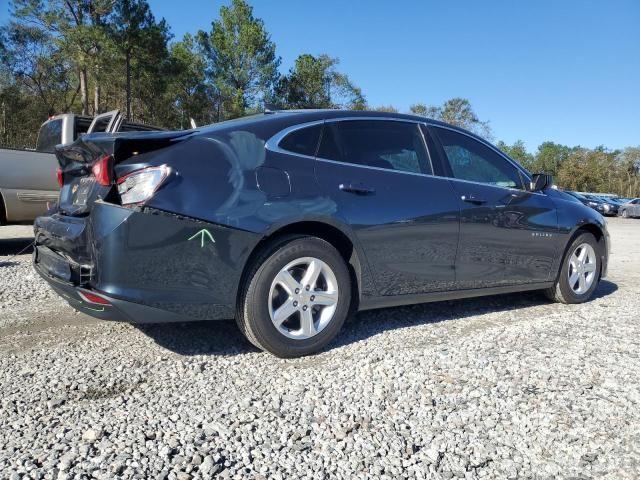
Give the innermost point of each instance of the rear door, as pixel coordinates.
(379, 175)
(508, 235)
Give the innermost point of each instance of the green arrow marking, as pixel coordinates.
(203, 233)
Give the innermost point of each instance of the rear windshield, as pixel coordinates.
(50, 135)
(102, 124)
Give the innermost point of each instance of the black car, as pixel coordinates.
(597, 203)
(289, 221)
(605, 205)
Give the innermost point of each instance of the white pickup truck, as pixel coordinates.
(28, 178)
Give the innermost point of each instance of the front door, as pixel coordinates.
(379, 175)
(508, 235)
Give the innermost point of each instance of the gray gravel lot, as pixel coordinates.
(500, 387)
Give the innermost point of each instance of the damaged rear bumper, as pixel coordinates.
(145, 266)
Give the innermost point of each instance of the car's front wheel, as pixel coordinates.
(580, 272)
(295, 298)
(625, 214)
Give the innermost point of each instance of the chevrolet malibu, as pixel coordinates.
(291, 220)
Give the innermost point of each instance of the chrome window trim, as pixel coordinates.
(326, 160)
(273, 143)
(484, 184)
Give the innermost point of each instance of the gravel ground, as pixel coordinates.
(500, 387)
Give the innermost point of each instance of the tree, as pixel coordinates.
(71, 27)
(241, 58)
(629, 165)
(518, 152)
(588, 170)
(456, 111)
(550, 157)
(34, 64)
(424, 111)
(314, 82)
(188, 91)
(386, 108)
(142, 42)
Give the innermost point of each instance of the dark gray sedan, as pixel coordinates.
(290, 221)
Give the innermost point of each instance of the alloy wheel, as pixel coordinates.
(582, 268)
(303, 298)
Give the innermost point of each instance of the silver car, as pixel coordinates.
(630, 209)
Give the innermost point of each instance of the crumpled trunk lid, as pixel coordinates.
(80, 189)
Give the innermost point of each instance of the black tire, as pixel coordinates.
(562, 292)
(3, 217)
(252, 312)
(625, 214)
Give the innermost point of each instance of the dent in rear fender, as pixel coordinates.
(158, 259)
(214, 177)
(231, 179)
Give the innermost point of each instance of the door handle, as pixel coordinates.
(472, 199)
(358, 189)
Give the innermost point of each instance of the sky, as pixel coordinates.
(566, 71)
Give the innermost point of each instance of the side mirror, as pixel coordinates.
(540, 181)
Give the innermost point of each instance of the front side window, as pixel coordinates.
(303, 141)
(473, 161)
(375, 143)
(50, 135)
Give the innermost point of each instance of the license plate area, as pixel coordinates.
(81, 190)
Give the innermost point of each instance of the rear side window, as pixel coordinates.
(472, 160)
(376, 143)
(303, 141)
(50, 135)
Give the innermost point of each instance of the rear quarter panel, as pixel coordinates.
(229, 178)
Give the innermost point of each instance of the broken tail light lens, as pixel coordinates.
(102, 171)
(139, 186)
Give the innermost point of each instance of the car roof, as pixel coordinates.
(293, 117)
(334, 113)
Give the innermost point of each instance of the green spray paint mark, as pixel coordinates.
(101, 309)
(203, 233)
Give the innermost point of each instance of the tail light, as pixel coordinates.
(93, 298)
(60, 177)
(139, 186)
(102, 170)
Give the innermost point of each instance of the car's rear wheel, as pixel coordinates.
(580, 271)
(3, 218)
(295, 297)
